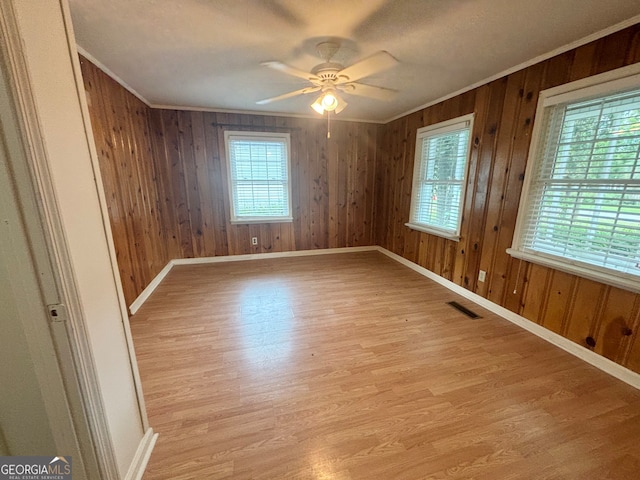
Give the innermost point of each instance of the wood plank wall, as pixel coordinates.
(164, 177)
(332, 183)
(504, 113)
(135, 196)
(163, 173)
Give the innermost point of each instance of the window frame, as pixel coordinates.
(423, 133)
(609, 83)
(229, 136)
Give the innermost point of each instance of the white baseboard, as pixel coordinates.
(141, 457)
(598, 361)
(146, 293)
(262, 256)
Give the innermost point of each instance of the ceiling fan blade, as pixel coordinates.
(371, 91)
(372, 64)
(302, 91)
(284, 68)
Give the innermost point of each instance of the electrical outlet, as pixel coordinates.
(482, 276)
(254, 240)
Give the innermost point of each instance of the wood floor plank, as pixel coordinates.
(351, 366)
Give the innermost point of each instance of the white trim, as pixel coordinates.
(451, 125)
(142, 455)
(113, 76)
(264, 256)
(257, 220)
(536, 138)
(264, 113)
(614, 369)
(146, 293)
(433, 231)
(540, 58)
(592, 272)
(617, 80)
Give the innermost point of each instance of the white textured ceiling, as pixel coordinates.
(206, 54)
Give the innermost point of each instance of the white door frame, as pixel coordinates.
(37, 288)
(80, 400)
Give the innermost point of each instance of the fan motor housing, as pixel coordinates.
(327, 70)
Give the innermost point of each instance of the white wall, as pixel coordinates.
(55, 88)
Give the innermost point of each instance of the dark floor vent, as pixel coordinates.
(464, 310)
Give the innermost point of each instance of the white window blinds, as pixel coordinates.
(259, 176)
(583, 199)
(439, 181)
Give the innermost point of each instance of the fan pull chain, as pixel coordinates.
(328, 124)
(517, 277)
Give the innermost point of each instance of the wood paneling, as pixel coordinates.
(164, 175)
(272, 369)
(333, 181)
(504, 114)
(136, 198)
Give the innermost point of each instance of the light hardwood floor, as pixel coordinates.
(351, 366)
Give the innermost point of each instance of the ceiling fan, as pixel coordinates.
(329, 78)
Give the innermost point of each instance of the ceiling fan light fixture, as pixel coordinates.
(329, 101)
(341, 105)
(317, 105)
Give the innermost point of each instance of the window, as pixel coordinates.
(580, 208)
(258, 170)
(440, 177)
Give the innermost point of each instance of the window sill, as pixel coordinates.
(626, 282)
(253, 220)
(434, 231)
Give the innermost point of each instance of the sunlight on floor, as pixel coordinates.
(266, 322)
